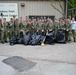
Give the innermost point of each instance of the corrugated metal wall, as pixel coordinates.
(38, 8)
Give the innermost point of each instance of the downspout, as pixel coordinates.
(65, 8)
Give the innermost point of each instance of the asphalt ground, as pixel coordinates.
(57, 59)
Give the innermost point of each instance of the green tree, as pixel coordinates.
(71, 4)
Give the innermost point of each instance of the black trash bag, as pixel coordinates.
(13, 40)
(20, 41)
(60, 36)
(42, 39)
(35, 39)
(50, 38)
(26, 39)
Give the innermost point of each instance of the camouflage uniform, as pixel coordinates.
(16, 28)
(50, 27)
(21, 29)
(5, 31)
(61, 25)
(24, 25)
(46, 27)
(74, 35)
(40, 27)
(30, 27)
(67, 28)
(1, 31)
(56, 27)
(34, 26)
(11, 29)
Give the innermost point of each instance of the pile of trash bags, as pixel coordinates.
(38, 39)
(27, 39)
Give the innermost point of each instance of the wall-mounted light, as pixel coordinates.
(22, 4)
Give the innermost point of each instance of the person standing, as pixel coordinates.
(10, 28)
(5, 30)
(50, 26)
(34, 22)
(29, 27)
(61, 24)
(73, 22)
(67, 28)
(1, 31)
(46, 26)
(56, 27)
(16, 28)
(25, 24)
(21, 27)
(40, 29)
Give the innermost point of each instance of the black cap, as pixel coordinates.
(1, 14)
(14, 16)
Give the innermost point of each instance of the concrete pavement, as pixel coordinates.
(5, 69)
(58, 59)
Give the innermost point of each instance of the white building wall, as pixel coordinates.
(38, 8)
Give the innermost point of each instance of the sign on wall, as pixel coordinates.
(8, 10)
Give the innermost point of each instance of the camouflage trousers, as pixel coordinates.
(3, 36)
(68, 35)
(74, 35)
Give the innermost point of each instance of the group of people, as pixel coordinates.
(39, 26)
